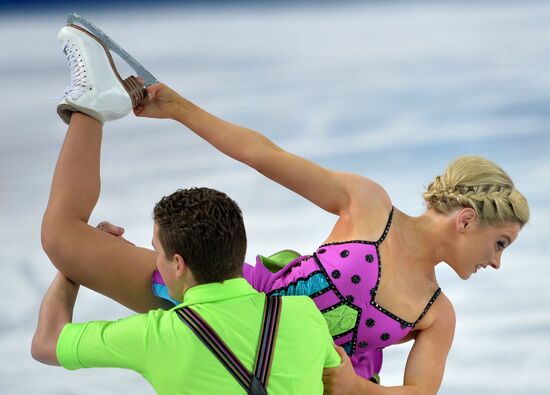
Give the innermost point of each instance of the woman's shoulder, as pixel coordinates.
(368, 200)
(367, 215)
(441, 315)
(366, 192)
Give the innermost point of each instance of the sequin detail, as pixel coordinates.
(312, 285)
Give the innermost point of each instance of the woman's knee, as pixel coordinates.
(55, 237)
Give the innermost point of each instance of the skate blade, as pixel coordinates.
(133, 87)
(77, 19)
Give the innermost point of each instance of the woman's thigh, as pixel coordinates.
(106, 264)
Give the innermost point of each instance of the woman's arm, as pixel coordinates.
(424, 369)
(426, 362)
(333, 191)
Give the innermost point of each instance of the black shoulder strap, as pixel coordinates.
(253, 384)
(430, 303)
(386, 229)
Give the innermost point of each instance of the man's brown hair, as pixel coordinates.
(206, 228)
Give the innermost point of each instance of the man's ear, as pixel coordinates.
(180, 266)
(465, 218)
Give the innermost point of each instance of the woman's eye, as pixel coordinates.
(501, 244)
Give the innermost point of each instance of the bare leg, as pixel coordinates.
(82, 253)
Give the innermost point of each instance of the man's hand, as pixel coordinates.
(160, 102)
(114, 230)
(341, 380)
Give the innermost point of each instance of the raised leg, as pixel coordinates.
(84, 254)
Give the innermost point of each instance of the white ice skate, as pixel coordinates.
(96, 88)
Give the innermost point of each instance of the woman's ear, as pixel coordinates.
(465, 218)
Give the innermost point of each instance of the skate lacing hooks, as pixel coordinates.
(78, 72)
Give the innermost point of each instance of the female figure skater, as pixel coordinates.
(373, 278)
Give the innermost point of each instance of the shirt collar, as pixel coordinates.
(213, 292)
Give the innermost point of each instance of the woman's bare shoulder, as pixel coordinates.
(441, 315)
(367, 210)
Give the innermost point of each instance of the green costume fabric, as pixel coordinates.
(174, 361)
(277, 261)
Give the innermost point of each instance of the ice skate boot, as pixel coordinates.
(96, 88)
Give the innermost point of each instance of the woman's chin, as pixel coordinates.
(464, 275)
(460, 272)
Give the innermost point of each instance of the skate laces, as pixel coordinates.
(78, 72)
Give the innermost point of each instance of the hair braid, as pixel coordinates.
(480, 184)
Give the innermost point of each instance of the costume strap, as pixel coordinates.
(386, 229)
(253, 384)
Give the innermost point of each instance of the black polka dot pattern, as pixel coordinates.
(369, 330)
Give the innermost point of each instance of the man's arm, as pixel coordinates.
(56, 311)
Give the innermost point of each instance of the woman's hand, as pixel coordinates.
(340, 380)
(160, 102)
(114, 230)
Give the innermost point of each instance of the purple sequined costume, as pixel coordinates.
(342, 278)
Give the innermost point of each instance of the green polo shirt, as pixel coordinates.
(169, 356)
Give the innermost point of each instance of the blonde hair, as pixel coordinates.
(478, 183)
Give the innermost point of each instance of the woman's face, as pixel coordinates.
(480, 246)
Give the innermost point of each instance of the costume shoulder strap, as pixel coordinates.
(430, 303)
(386, 229)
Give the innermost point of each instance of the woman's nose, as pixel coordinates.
(495, 262)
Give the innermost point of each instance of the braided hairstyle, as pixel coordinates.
(478, 183)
